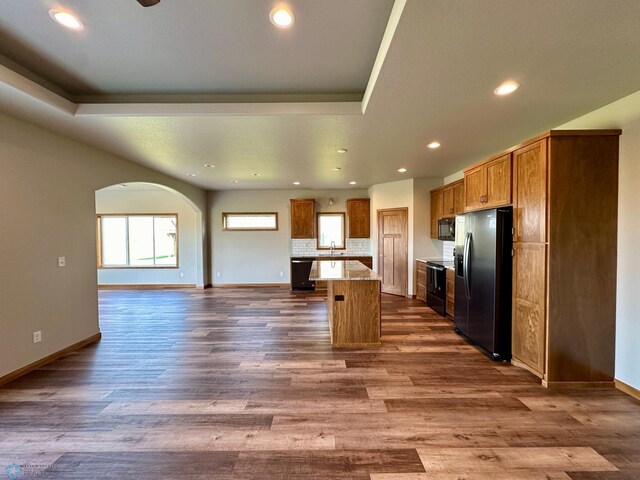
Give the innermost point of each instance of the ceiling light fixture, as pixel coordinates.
(208, 165)
(296, 183)
(342, 150)
(191, 174)
(256, 174)
(506, 88)
(402, 170)
(433, 145)
(352, 183)
(66, 19)
(122, 185)
(234, 181)
(282, 17)
(337, 169)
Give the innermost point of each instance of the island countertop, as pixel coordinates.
(326, 270)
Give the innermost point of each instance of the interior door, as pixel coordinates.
(392, 250)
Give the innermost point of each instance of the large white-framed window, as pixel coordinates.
(137, 240)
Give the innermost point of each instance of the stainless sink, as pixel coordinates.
(331, 254)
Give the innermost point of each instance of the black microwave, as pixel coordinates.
(447, 229)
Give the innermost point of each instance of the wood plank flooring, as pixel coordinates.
(243, 384)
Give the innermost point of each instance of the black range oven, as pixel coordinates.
(436, 287)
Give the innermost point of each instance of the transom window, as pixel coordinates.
(138, 241)
(250, 221)
(331, 231)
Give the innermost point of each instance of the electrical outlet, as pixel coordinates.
(62, 261)
(181, 274)
(218, 275)
(37, 336)
(282, 274)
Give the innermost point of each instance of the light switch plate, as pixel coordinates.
(62, 261)
(37, 336)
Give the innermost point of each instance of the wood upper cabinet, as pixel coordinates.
(303, 218)
(359, 214)
(436, 211)
(498, 182)
(488, 185)
(458, 197)
(529, 305)
(447, 202)
(530, 193)
(475, 186)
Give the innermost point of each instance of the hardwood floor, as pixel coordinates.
(243, 384)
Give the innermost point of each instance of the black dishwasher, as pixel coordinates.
(300, 270)
(436, 287)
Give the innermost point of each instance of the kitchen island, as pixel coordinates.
(353, 302)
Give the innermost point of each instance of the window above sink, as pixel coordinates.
(331, 231)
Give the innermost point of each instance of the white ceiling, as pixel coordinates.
(436, 82)
(197, 46)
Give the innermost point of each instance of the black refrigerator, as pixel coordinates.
(483, 266)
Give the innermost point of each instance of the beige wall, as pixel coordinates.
(47, 193)
(628, 304)
(412, 194)
(259, 257)
(136, 198)
(423, 245)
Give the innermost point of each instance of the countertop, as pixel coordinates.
(335, 255)
(341, 270)
(439, 261)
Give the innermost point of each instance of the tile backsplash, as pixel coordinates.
(307, 246)
(447, 250)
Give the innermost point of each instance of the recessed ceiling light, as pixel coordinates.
(122, 185)
(234, 181)
(208, 165)
(256, 174)
(66, 19)
(506, 88)
(342, 150)
(433, 145)
(296, 183)
(352, 183)
(191, 174)
(337, 169)
(282, 17)
(402, 170)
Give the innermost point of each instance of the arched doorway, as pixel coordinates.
(148, 235)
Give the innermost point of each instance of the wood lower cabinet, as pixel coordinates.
(564, 267)
(421, 281)
(359, 215)
(489, 184)
(450, 290)
(303, 218)
(529, 305)
(436, 211)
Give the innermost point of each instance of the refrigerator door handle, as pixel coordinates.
(465, 263)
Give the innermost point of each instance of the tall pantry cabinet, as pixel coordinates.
(565, 200)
